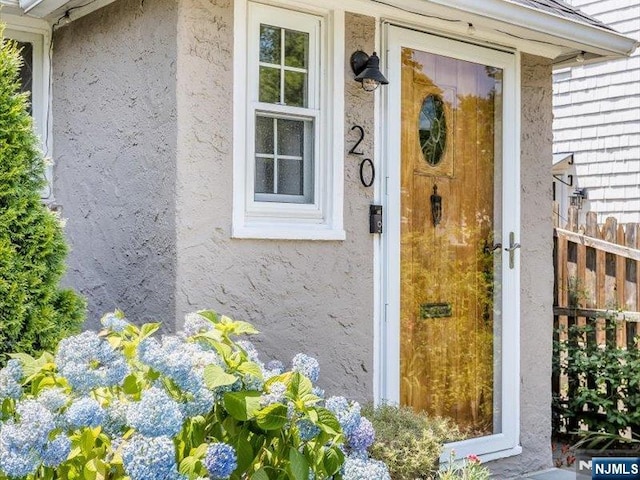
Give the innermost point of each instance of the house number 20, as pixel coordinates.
(367, 162)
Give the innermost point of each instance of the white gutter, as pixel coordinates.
(41, 8)
(595, 39)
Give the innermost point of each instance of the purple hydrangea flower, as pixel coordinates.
(348, 415)
(363, 436)
(220, 460)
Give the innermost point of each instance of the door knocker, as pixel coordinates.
(436, 207)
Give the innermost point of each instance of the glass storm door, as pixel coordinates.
(451, 258)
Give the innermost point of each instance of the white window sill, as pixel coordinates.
(288, 232)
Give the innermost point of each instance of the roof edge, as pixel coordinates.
(596, 39)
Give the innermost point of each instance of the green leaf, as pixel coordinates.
(130, 385)
(242, 405)
(188, 466)
(215, 376)
(244, 451)
(148, 329)
(272, 417)
(298, 468)
(209, 315)
(300, 386)
(250, 368)
(332, 460)
(327, 421)
(259, 475)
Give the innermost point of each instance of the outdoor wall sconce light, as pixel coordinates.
(367, 70)
(577, 198)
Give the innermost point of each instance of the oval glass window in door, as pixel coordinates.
(432, 129)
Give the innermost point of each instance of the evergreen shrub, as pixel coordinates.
(34, 313)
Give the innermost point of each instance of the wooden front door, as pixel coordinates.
(449, 245)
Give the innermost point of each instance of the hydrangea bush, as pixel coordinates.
(123, 404)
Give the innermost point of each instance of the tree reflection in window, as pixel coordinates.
(432, 129)
(26, 71)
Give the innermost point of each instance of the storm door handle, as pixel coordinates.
(513, 246)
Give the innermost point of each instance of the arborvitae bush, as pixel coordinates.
(34, 313)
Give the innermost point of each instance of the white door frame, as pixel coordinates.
(387, 379)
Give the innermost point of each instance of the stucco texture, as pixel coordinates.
(306, 296)
(115, 147)
(536, 260)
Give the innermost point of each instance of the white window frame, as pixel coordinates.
(322, 219)
(38, 33)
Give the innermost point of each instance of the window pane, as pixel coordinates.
(295, 89)
(26, 71)
(264, 175)
(290, 177)
(290, 137)
(269, 85)
(296, 45)
(270, 44)
(264, 135)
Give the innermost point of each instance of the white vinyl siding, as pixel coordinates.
(597, 117)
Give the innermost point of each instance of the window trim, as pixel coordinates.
(38, 33)
(322, 219)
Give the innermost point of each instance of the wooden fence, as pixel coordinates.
(597, 283)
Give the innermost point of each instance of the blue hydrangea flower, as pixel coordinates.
(18, 450)
(53, 399)
(35, 425)
(363, 436)
(85, 412)
(348, 415)
(88, 362)
(307, 430)
(114, 322)
(56, 451)
(220, 460)
(361, 469)
(199, 403)
(156, 414)
(273, 368)
(116, 419)
(307, 366)
(195, 323)
(275, 395)
(146, 458)
(171, 357)
(250, 349)
(10, 377)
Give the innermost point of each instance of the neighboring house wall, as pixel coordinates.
(597, 117)
(115, 149)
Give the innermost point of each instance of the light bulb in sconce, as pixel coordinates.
(580, 57)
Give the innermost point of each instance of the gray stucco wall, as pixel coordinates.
(536, 237)
(114, 130)
(303, 295)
